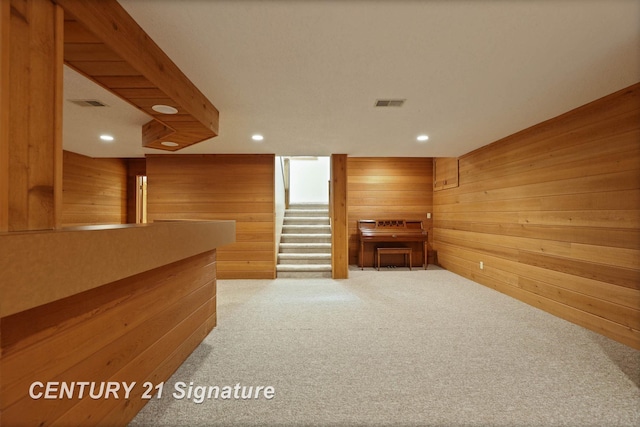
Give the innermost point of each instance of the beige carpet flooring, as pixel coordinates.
(398, 348)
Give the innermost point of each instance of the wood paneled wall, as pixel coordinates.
(553, 212)
(389, 188)
(94, 191)
(137, 329)
(220, 186)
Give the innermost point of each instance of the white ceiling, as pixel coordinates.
(306, 73)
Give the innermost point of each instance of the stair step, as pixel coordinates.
(304, 258)
(305, 212)
(304, 275)
(303, 267)
(306, 229)
(306, 220)
(305, 247)
(302, 255)
(303, 271)
(305, 238)
(309, 206)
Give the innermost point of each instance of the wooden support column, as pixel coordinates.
(5, 13)
(31, 118)
(339, 228)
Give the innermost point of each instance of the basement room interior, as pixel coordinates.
(311, 213)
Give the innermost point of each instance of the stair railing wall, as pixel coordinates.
(281, 202)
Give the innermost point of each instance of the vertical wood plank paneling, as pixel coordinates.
(35, 111)
(552, 212)
(94, 190)
(216, 187)
(5, 22)
(58, 78)
(19, 118)
(339, 217)
(134, 330)
(389, 188)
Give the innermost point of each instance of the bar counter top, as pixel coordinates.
(39, 267)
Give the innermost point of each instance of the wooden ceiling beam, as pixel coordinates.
(104, 43)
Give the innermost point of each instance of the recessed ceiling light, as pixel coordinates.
(169, 143)
(423, 138)
(257, 137)
(106, 137)
(164, 109)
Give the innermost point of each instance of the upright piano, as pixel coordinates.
(386, 231)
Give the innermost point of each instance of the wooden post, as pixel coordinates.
(31, 100)
(5, 13)
(339, 227)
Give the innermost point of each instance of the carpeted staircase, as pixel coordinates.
(305, 244)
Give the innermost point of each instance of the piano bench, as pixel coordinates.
(394, 251)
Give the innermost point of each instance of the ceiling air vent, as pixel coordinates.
(390, 102)
(88, 102)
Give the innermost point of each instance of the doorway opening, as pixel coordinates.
(309, 180)
(141, 199)
(304, 237)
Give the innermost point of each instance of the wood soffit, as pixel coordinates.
(104, 43)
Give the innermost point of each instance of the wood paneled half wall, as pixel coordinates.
(94, 191)
(553, 213)
(216, 187)
(388, 188)
(86, 307)
(139, 329)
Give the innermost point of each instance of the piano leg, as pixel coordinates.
(424, 251)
